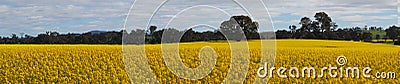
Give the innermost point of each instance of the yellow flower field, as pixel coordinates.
(105, 63)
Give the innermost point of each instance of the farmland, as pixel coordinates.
(105, 63)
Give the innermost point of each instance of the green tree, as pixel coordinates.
(152, 29)
(305, 23)
(240, 24)
(293, 28)
(325, 20)
(392, 32)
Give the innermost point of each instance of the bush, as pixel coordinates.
(397, 42)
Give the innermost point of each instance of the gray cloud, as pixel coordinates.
(32, 17)
(37, 16)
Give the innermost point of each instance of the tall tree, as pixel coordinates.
(325, 20)
(293, 28)
(305, 23)
(241, 23)
(152, 29)
(392, 32)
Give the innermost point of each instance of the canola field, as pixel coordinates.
(105, 63)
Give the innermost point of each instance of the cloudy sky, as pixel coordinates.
(38, 16)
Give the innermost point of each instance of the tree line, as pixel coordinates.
(236, 28)
(322, 27)
(50, 37)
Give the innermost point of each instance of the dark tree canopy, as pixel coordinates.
(393, 32)
(152, 29)
(243, 24)
(325, 20)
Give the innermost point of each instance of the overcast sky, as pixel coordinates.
(37, 16)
